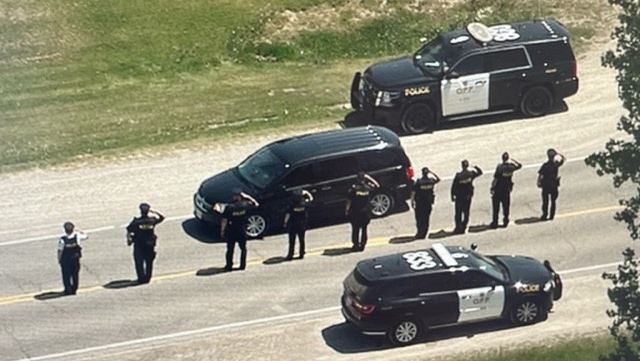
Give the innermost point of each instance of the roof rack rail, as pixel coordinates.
(444, 255)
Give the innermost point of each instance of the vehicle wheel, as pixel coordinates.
(405, 332)
(256, 226)
(381, 204)
(527, 312)
(418, 118)
(536, 101)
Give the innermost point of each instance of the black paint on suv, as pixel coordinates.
(325, 164)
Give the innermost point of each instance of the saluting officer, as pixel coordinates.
(232, 226)
(549, 181)
(358, 209)
(462, 193)
(141, 233)
(295, 220)
(69, 253)
(422, 199)
(501, 187)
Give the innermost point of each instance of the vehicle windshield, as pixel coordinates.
(489, 266)
(262, 168)
(430, 57)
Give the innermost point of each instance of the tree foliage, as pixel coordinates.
(621, 159)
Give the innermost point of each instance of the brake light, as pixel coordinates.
(574, 68)
(363, 308)
(409, 173)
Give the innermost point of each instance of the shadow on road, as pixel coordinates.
(120, 284)
(211, 271)
(337, 251)
(402, 239)
(528, 220)
(345, 338)
(49, 295)
(441, 234)
(479, 228)
(354, 119)
(200, 231)
(274, 260)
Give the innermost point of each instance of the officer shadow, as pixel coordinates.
(441, 234)
(337, 251)
(402, 239)
(211, 271)
(528, 220)
(117, 284)
(49, 295)
(278, 259)
(479, 228)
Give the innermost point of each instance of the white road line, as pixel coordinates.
(183, 217)
(257, 321)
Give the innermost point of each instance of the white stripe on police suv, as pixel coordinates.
(480, 303)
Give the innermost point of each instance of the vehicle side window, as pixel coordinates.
(474, 64)
(378, 159)
(440, 282)
(473, 279)
(336, 168)
(299, 176)
(507, 59)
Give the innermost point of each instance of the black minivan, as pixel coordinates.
(325, 164)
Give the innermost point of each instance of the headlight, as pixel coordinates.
(548, 286)
(385, 99)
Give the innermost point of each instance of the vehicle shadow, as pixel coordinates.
(200, 231)
(354, 119)
(344, 338)
(120, 284)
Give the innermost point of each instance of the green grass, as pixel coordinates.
(581, 349)
(91, 78)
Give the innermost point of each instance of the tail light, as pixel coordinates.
(363, 308)
(408, 172)
(574, 68)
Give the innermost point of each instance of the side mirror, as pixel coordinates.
(452, 75)
(493, 285)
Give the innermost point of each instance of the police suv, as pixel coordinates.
(480, 70)
(403, 295)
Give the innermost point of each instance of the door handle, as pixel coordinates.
(325, 188)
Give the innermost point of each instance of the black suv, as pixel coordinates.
(526, 66)
(325, 164)
(403, 295)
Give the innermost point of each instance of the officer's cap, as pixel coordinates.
(68, 226)
(425, 170)
(144, 207)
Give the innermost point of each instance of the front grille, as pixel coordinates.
(201, 204)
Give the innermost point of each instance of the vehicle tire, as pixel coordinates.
(381, 204)
(418, 118)
(527, 311)
(256, 226)
(536, 101)
(405, 332)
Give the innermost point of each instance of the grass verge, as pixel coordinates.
(93, 78)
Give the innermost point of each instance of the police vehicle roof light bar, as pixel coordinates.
(444, 255)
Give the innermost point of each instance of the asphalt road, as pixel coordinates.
(289, 310)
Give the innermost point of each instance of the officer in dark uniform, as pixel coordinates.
(422, 199)
(501, 187)
(295, 220)
(232, 226)
(358, 209)
(69, 253)
(549, 181)
(141, 233)
(461, 194)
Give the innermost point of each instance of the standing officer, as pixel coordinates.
(422, 199)
(295, 220)
(358, 209)
(69, 253)
(232, 226)
(461, 194)
(501, 187)
(549, 181)
(141, 233)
